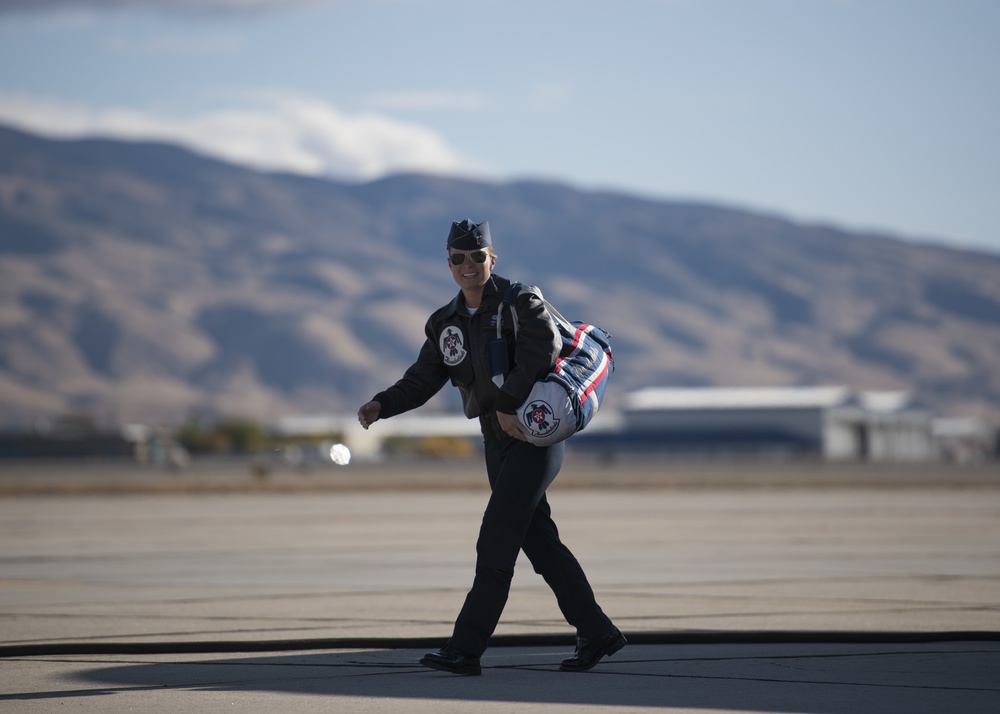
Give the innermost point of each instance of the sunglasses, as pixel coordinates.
(478, 256)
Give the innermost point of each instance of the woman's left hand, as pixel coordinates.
(511, 425)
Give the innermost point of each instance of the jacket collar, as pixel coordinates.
(491, 295)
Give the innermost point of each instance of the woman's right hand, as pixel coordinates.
(510, 424)
(368, 413)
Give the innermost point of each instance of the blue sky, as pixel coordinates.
(868, 114)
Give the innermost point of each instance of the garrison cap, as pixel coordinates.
(466, 235)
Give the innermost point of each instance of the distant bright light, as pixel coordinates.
(340, 454)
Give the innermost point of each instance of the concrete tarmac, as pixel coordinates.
(816, 595)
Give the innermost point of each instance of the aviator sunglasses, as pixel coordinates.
(478, 256)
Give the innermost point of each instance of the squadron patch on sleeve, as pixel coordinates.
(452, 344)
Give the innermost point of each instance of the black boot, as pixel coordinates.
(449, 659)
(590, 652)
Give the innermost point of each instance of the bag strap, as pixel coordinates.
(510, 299)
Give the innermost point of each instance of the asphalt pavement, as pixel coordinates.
(810, 593)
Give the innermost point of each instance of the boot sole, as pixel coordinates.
(466, 671)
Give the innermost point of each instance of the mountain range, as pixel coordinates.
(143, 282)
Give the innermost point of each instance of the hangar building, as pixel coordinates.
(833, 422)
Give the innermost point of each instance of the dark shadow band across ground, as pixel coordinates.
(534, 640)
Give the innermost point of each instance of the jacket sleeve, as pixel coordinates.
(420, 382)
(536, 349)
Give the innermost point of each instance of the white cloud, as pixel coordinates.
(271, 131)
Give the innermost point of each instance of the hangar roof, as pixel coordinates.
(665, 398)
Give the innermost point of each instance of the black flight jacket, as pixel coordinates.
(458, 348)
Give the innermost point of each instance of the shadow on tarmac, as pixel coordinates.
(810, 679)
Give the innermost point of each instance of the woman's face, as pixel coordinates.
(469, 274)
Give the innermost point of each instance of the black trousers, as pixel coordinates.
(518, 518)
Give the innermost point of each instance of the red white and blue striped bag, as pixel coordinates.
(565, 400)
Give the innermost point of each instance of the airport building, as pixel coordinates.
(835, 423)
